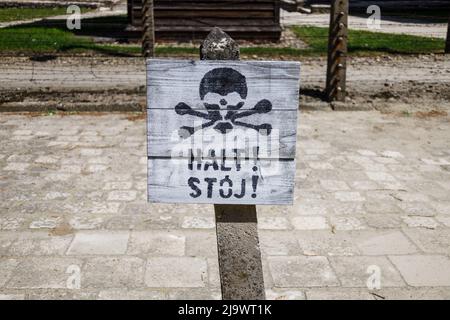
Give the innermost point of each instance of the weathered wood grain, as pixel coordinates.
(168, 182)
(164, 126)
(270, 100)
(172, 81)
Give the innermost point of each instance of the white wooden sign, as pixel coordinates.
(221, 132)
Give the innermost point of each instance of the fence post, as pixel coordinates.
(148, 29)
(447, 42)
(337, 50)
(240, 266)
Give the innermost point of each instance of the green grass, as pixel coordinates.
(44, 39)
(53, 40)
(13, 14)
(366, 42)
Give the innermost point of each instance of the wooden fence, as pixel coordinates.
(193, 19)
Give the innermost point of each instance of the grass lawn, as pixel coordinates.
(367, 43)
(13, 14)
(44, 39)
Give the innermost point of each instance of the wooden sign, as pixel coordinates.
(221, 132)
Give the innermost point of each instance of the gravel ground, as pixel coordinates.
(388, 25)
(396, 83)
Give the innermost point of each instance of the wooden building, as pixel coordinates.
(193, 19)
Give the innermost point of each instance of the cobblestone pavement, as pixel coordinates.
(372, 199)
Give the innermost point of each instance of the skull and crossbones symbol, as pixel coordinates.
(223, 92)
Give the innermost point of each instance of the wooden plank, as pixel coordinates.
(212, 14)
(170, 82)
(222, 101)
(171, 180)
(208, 22)
(217, 6)
(280, 143)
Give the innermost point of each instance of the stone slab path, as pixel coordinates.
(372, 209)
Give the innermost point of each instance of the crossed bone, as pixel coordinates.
(213, 115)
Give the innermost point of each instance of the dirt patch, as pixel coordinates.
(61, 230)
(431, 114)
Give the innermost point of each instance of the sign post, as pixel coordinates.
(240, 266)
(223, 131)
(447, 42)
(148, 29)
(337, 51)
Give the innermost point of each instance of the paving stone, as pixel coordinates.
(7, 267)
(430, 241)
(275, 243)
(417, 209)
(113, 272)
(364, 185)
(61, 294)
(198, 222)
(346, 223)
(180, 272)
(348, 196)
(99, 243)
(356, 271)
(39, 243)
(383, 243)
(379, 176)
(413, 293)
(420, 222)
(122, 195)
(121, 294)
(300, 271)
(442, 207)
(279, 294)
(11, 223)
(56, 177)
(383, 221)
(55, 195)
(367, 153)
(34, 273)
(213, 273)
(201, 243)
(12, 296)
(273, 223)
(194, 294)
(95, 168)
(321, 165)
(46, 159)
(412, 197)
(429, 270)
(334, 185)
(327, 243)
(392, 154)
(156, 243)
(311, 209)
(91, 152)
(445, 220)
(339, 294)
(118, 185)
(310, 223)
(87, 223)
(45, 223)
(16, 166)
(348, 208)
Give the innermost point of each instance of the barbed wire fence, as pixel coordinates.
(43, 64)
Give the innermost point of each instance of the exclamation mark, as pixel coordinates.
(254, 182)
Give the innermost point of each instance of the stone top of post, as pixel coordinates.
(219, 46)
